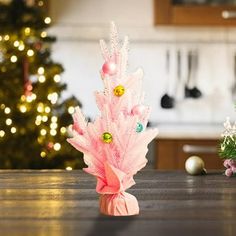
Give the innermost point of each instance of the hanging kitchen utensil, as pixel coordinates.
(178, 84)
(196, 93)
(167, 101)
(193, 92)
(234, 82)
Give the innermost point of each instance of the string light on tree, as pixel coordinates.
(40, 3)
(43, 154)
(71, 110)
(7, 110)
(31, 97)
(23, 98)
(21, 46)
(42, 78)
(40, 139)
(6, 37)
(57, 146)
(53, 125)
(41, 70)
(53, 132)
(52, 97)
(54, 119)
(30, 53)
(40, 107)
(27, 31)
(43, 132)
(44, 34)
(2, 133)
(39, 118)
(13, 58)
(57, 78)
(63, 130)
(47, 20)
(44, 118)
(16, 43)
(13, 130)
(23, 108)
(8, 121)
(38, 122)
(47, 109)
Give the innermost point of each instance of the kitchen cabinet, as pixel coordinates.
(195, 12)
(171, 154)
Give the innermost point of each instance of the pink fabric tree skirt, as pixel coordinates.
(120, 204)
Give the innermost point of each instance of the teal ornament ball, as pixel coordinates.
(139, 127)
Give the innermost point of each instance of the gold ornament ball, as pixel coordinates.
(119, 90)
(107, 137)
(194, 165)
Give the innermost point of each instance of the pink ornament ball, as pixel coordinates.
(109, 68)
(233, 168)
(228, 172)
(138, 110)
(226, 163)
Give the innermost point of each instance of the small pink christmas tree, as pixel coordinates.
(115, 144)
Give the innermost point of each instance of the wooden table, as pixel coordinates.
(65, 203)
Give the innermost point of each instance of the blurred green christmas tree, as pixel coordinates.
(33, 116)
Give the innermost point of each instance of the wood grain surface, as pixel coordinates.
(65, 203)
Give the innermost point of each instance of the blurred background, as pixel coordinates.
(187, 49)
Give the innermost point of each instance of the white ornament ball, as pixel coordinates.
(194, 165)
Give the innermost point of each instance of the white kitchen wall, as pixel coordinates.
(79, 24)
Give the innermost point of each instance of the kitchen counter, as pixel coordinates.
(58, 202)
(190, 131)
